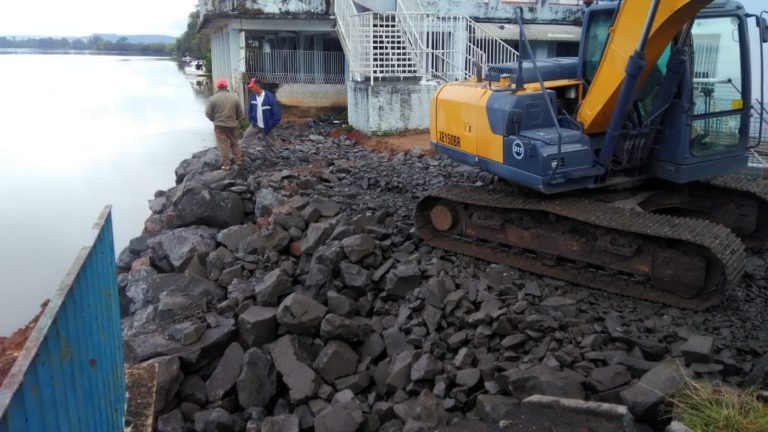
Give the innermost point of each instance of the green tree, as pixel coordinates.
(193, 44)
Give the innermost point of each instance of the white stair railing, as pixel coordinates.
(412, 43)
(449, 45)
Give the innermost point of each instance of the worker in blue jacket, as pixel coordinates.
(263, 114)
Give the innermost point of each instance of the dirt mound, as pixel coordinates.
(11, 346)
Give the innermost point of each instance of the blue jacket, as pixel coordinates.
(269, 108)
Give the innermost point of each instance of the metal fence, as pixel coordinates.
(295, 66)
(70, 376)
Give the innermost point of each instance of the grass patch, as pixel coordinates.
(706, 407)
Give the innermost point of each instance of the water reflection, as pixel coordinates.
(78, 132)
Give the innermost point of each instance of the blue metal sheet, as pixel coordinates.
(70, 375)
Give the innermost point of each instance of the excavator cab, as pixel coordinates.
(703, 125)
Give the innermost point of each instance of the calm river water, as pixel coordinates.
(78, 132)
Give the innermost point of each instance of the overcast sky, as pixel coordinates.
(85, 17)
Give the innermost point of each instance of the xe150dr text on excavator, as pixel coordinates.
(622, 164)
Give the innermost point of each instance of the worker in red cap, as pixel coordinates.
(263, 115)
(225, 111)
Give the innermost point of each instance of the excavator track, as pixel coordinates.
(687, 263)
(757, 188)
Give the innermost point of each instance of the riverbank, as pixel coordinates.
(293, 293)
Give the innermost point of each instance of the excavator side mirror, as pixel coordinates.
(763, 23)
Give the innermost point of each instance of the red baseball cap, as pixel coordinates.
(221, 83)
(253, 83)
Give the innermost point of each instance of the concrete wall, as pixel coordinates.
(312, 95)
(289, 6)
(388, 107)
(378, 5)
(540, 11)
(272, 6)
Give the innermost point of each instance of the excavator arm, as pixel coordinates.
(626, 35)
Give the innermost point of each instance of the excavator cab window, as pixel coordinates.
(717, 85)
(598, 26)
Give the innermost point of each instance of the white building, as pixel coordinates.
(379, 58)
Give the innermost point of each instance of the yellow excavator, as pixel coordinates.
(622, 168)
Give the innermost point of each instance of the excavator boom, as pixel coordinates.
(625, 36)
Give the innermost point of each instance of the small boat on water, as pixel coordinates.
(196, 67)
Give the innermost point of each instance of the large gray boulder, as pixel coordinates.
(541, 380)
(180, 245)
(301, 380)
(224, 377)
(200, 206)
(645, 397)
(257, 383)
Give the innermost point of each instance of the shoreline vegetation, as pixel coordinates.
(93, 44)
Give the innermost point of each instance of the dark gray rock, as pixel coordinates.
(355, 383)
(300, 314)
(187, 332)
(373, 347)
(426, 413)
(217, 261)
(234, 236)
(266, 199)
(272, 287)
(427, 367)
(301, 380)
(608, 378)
(274, 240)
(514, 340)
(758, 376)
(224, 377)
(469, 378)
(562, 305)
(342, 417)
(281, 423)
(316, 235)
(402, 280)
(180, 245)
(338, 327)
(354, 276)
(339, 304)
(257, 383)
(257, 326)
(327, 208)
(399, 372)
(229, 275)
(359, 246)
(208, 207)
(435, 291)
(646, 396)
(220, 421)
(336, 360)
(170, 422)
(193, 389)
(191, 288)
(169, 378)
(698, 349)
(496, 408)
(541, 380)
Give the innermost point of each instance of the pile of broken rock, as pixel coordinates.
(291, 296)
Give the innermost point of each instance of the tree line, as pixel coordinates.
(194, 44)
(93, 43)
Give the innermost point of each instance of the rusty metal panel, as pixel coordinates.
(70, 375)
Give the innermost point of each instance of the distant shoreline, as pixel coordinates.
(77, 52)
